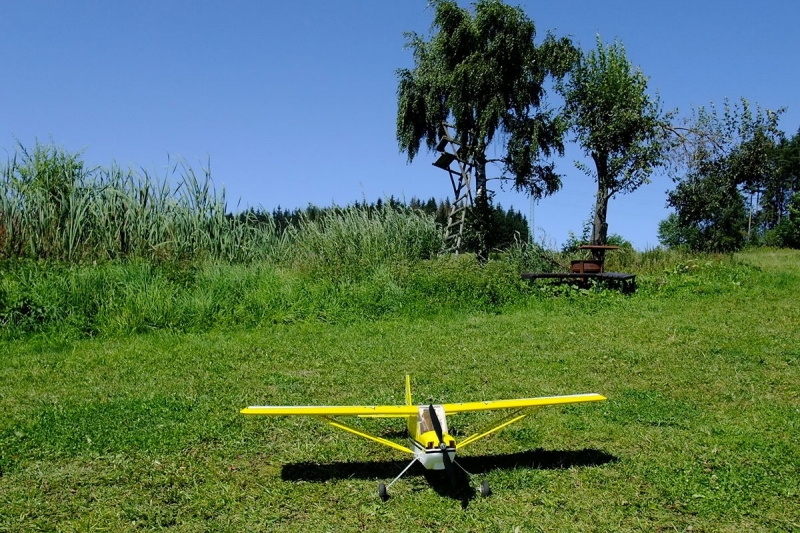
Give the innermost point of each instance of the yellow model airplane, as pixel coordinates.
(431, 444)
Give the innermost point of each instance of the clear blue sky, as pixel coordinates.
(295, 102)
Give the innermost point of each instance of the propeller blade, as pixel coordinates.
(437, 427)
(448, 466)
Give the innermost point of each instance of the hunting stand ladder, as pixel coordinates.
(451, 152)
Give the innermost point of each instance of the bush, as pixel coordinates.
(786, 233)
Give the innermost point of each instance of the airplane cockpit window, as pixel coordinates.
(424, 423)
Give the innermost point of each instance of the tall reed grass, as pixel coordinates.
(170, 256)
(350, 243)
(53, 207)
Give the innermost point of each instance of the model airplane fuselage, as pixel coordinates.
(426, 445)
(430, 443)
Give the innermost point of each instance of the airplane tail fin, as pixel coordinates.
(408, 390)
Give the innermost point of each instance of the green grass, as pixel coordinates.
(61, 300)
(142, 432)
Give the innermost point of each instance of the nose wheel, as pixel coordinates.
(384, 495)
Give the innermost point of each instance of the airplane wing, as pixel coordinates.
(327, 412)
(451, 408)
(375, 411)
(522, 407)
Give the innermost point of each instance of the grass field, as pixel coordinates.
(699, 433)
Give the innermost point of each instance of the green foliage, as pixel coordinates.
(573, 242)
(461, 282)
(483, 73)
(783, 184)
(672, 235)
(52, 207)
(351, 242)
(787, 231)
(699, 274)
(616, 123)
(532, 257)
(721, 158)
(505, 228)
(711, 214)
(140, 297)
(55, 300)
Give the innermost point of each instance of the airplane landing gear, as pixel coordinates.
(382, 492)
(483, 489)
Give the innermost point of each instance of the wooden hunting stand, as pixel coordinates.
(453, 159)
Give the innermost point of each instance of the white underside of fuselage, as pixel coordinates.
(431, 459)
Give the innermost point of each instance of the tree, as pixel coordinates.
(505, 228)
(719, 159)
(672, 235)
(616, 122)
(710, 211)
(484, 74)
(784, 184)
(787, 232)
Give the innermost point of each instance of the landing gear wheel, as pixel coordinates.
(485, 490)
(382, 492)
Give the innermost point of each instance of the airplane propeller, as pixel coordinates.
(437, 427)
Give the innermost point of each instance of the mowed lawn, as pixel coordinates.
(699, 433)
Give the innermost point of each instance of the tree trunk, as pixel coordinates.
(600, 226)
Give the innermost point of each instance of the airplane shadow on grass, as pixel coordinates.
(463, 490)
